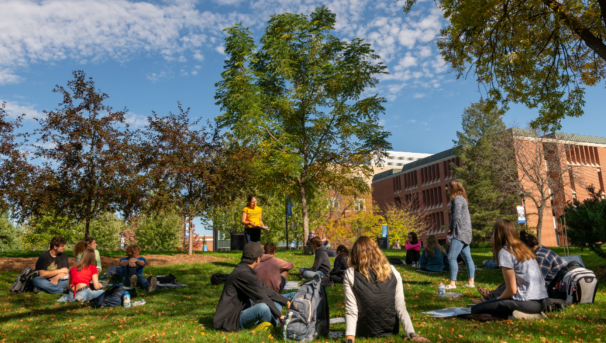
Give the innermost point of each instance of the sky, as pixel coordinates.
(148, 55)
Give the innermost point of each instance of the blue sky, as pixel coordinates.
(147, 55)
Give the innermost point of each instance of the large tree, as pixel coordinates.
(536, 52)
(488, 168)
(300, 97)
(87, 152)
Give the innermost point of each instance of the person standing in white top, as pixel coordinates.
(374, 295)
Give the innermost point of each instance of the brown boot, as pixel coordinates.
(478, 301)
(482, 291)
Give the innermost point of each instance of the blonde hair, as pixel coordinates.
(506, 235)
(432, 242)
(366, 255)
(455, 188)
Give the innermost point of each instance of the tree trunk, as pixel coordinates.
(86, 227)
(191, 237)
(305, 215)
(540, 223)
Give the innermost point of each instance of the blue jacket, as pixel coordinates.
(435, 263)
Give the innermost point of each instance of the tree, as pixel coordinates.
(11, 231)
(89, 161)
(535, 52)
(488, 169)
(543, 170)
(161, 231)
(299, 97)
(106, 229)
(587, 222)
(39, 230)
(191, 169)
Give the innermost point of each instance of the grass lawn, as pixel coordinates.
(186, 314)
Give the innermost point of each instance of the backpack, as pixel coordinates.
(574, 284)
(23, 282)
(395, 261)
(218, 278)
(112, 296)
(170, 278)
(308, 316)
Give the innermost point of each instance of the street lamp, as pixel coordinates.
(523, 196)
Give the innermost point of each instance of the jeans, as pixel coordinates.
(289, 296)
(457, 247)
(45, 285)
(496, 293)
(141, 280)
(258, 314)
(85, 295)
(504, 308)
(491, 265)
(309, 274)
(252, 235)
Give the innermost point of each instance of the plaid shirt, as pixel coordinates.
(549, 262)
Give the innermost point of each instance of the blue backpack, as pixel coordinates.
(112, 296)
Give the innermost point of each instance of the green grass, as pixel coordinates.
(186, 314)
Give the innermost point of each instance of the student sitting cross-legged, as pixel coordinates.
(336, 274)
(374, 295)
(524, 283)
(80, 276)
(321, 262)
(132, 270)
(433, 257)
(273, 271)
(53, 267)
(246, 303)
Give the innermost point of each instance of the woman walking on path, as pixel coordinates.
(251, 217)
(460, 228)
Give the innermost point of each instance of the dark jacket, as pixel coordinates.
(340, 265)
(377, 316)
(435, 263)
(242, 285)
(322, 261)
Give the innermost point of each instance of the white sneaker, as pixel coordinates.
(528, 316)
(450, 287)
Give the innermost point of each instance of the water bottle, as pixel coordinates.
(441, 289)
(126, 300)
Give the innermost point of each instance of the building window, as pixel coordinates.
(400, 164)
(359, 205)
(390, 164)
(334, 204)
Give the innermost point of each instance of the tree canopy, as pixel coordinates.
(536, 52)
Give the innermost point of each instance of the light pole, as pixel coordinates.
(523, 196)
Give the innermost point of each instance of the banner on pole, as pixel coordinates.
(384, 230)
(521, 215)
(289, 209)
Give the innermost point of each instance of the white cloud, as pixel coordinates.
(182, 59)
(198, 56)
(15, 109)
(135, 120)
(155, 77)
(412, 121)
(418, 96)
(7, 76)
(220, 49)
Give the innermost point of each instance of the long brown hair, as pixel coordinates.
(83, 245)
(506, 235)
(455, 188)
(366, 255)
(88, 259)
(432, 242)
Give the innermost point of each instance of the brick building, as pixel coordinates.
(423, 183)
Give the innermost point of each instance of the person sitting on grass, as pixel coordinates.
(88, 243)
(80, 276)
(246, 302)
(433, 257)
(273, 271)
(397, 245)
(524, 283)
(413, 246)
(549, 262)
(53, 268)
(321, 262)
(374, 295)
(132, 270)
(336, 274)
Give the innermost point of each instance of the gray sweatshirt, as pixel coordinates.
(460, 224)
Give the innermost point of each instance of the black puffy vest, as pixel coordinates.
(377, 316)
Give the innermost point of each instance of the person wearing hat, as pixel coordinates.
(246, 303)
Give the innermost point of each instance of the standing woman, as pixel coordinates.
(251, 217)
(374, 295)
(460, 228)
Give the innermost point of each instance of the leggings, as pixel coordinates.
(504, 308)
(412, 256)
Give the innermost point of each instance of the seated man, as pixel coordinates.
(549, 262)
(53, 268)
(273, 271)
(321, 262)
(132, 270)
(246, 302)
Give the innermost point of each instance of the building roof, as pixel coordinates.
(385, 174)
(415, 164)
(562, 136)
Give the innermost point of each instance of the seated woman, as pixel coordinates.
(374, 296)
(336, 274)
(88, 243)
(413, 246)
(80, 277)
(433, 257)
(524, 285)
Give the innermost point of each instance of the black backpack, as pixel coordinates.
(170, 278)
(395, 261)
(552, 289)
(23, 282)
(112, 296)
(218, 278)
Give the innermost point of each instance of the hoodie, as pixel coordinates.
(410, 246)
(268, 271)
(322, 261)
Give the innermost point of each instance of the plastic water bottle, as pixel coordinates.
(441, 289)
(126, 300)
